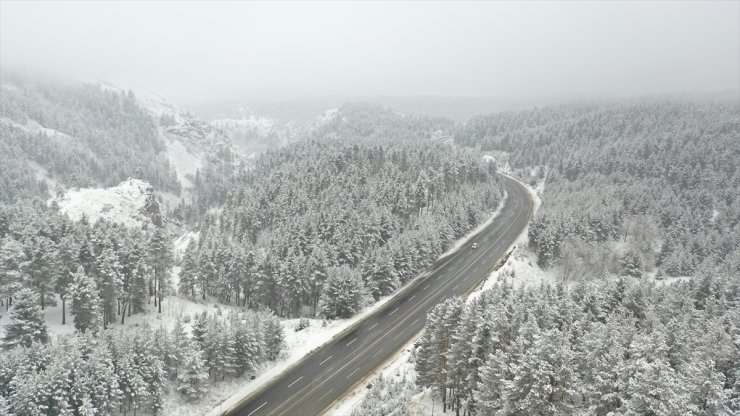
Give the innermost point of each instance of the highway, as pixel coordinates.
(317, 382)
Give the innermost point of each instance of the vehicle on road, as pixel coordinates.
(474, 246)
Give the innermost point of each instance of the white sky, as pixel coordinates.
(205, 51)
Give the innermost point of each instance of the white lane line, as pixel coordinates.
(325, 394)
(425, 287)
(396, 337)
(377, 352)
(297, 380)
(350, 374)
(455, 287)
(255, 410)
(415, 321)
(394, 311)
(350, 343)
(326, 360)
(374, 325)
(412, 297)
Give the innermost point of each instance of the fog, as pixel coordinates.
(194, 52)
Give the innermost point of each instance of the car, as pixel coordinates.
(474, 246)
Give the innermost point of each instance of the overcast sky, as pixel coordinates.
(194, 52)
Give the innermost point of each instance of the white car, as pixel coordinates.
(474, 246)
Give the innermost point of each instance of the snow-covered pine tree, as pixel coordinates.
(65, 279)
(106, 272)
(189, 271)
(161, 260)
(11, 275)
(27, 323)
(274, 337)
(344, 293)
(86, 302)
(42, 267)
(192, 380)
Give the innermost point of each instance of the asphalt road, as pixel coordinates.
(315, 383)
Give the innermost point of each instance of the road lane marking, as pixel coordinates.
(301, 394)
(297, 380)
(255, 410)
(425, 287)
(350, 343)
(415, 321)
(394, 311)
(412, 297)
(374, 325)
(324, 395)
(326, 360)
(350, 374)
(455, 287)
(396, 337)
(377, 352)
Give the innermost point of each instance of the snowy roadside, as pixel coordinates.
(228, 397)
(521, 266)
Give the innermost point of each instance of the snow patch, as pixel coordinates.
(181, 242)
(183, 161)
(120, 204)
(33, 127)
(259, 125)
(328, 116)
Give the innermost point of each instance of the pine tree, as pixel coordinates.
(343, 294)
(161, 260)
(181, 344)
(274, 338)
(27, 323)
(11, 273)
(189, 271)
(65, 279)
(106, 272)
(191, 381)
(42, 267)
(86, 302)
(200, 326)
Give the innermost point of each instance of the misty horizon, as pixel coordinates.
(203, 53)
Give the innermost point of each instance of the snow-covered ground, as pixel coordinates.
(120, 204)
(185, 162)
(181, 242)
(32, 126)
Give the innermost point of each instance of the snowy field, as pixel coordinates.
(120, 204)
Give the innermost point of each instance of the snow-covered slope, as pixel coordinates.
(122, 204)
(189, 140)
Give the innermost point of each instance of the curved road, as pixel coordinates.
(315, 383)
